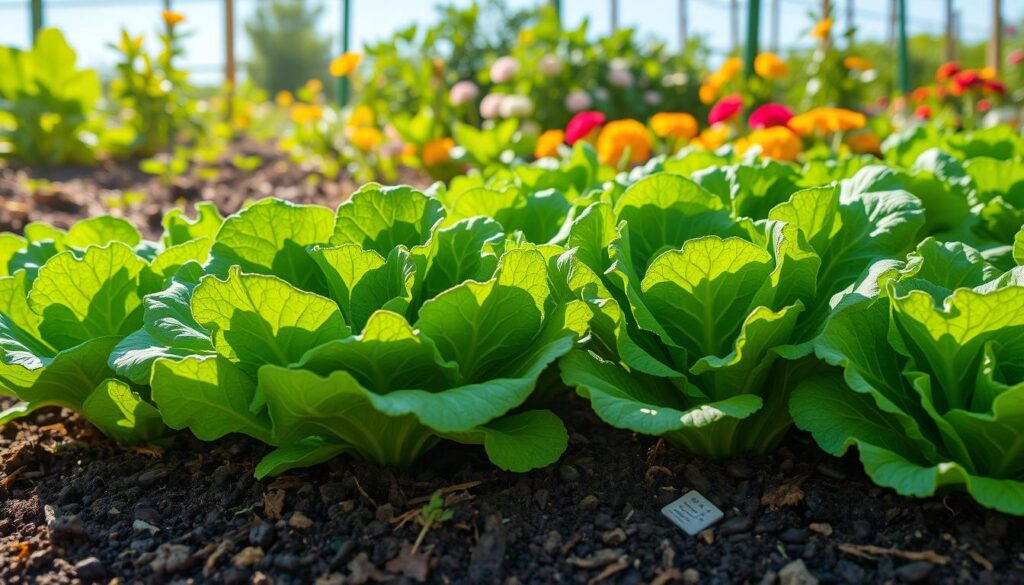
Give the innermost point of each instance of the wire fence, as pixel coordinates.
(91, 24)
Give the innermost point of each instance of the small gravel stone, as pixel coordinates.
(796, 573)
(262, 535)
(795, 535)
(300, 521)
(914, 572)
(737, 525)
(286, 562)
(568, 473)
(850, 572)
(171, 558)
(247, 557)
(90, 569)
(541, 497)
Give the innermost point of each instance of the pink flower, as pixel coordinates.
(652, 98)
(995, 86)
(550, 66)
(463, 92)
(581, 125)
(768, 115)
(923, 112)
(578, 100)
(1016, 58)
(490, 106)
(727, 108)
(504, 69)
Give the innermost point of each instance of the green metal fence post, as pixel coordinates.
(558, 9)
(346, 26)
(36, 8)
(904, 58)
(753, 36)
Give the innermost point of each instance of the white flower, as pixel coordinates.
(620, 77)
(490, 106)
(504, 69)
(577, 101)
(550, 65)
(515, 106)
(652, 98)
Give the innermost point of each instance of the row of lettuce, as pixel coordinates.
(707, 299)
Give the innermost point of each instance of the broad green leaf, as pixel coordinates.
(66, 379)
(456, 254)
(520, 442)
(100, 231)
(271, 237)
(1018, 247)
(178, 229)
(10, 245)
(96, 295)
(361, 281)
(169, 260)
(121, 413)
(305, 453)
(379, 218)
(210, 396)
(258, 319)
(134, 355)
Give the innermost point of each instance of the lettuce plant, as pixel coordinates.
(68, 299)
(375, 330)
(931, 389)
(698, 308)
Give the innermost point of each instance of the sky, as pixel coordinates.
(91, 24)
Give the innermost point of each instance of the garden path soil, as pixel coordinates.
(76, 508)
(78, 192)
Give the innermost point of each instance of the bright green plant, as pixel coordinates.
(46, 103)
(932, 385)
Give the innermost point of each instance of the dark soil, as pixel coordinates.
(64, 194)
(75, 507)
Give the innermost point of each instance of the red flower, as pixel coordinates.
(581, 125)
(924, 112)
(769, 115)
(947, 70)
(727, 108)
(1016, 58)
(967, 80)
(995, 86)
(984, 105)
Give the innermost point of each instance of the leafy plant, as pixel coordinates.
(46, 103)
(940, 407)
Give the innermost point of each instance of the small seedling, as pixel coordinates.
(433, 513)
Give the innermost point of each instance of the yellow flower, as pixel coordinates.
(366, 137)
(437, 151)
(345, 63)
(284, 99)
(314, 86)
(712, 138)
(618, 136)
(361, 116)
(548, 143)
(866, 142)
(776, 142)
(770, 66)
(172, 18)
(708, 93)
(408, 154)
(674, 125)
(987, 73)
(526, 36)
(858, 63)
(821, 121)
(730, 69)
(823, 29)
(304, 113)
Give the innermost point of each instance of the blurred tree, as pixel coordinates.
(287, 50)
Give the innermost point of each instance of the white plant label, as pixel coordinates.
(692, 512)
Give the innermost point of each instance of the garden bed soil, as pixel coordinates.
(76, 508)
(61, 195)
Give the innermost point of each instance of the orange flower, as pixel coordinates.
(345, 63)
(920, 94)
(730, 69)
(548, 143)
(712, 138)
(987, 73)
(437, 151)
(361, 116)
(284, 99)
(305, 113)
(770, 66)
(776, 142)
(708, 93)
(621, 135)
(314, 85)
(866, 142)
(171, 19)
(674, 125)
(858, 63)
(409, 154)
(821, 121)
(823, 29)
(366, 138)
